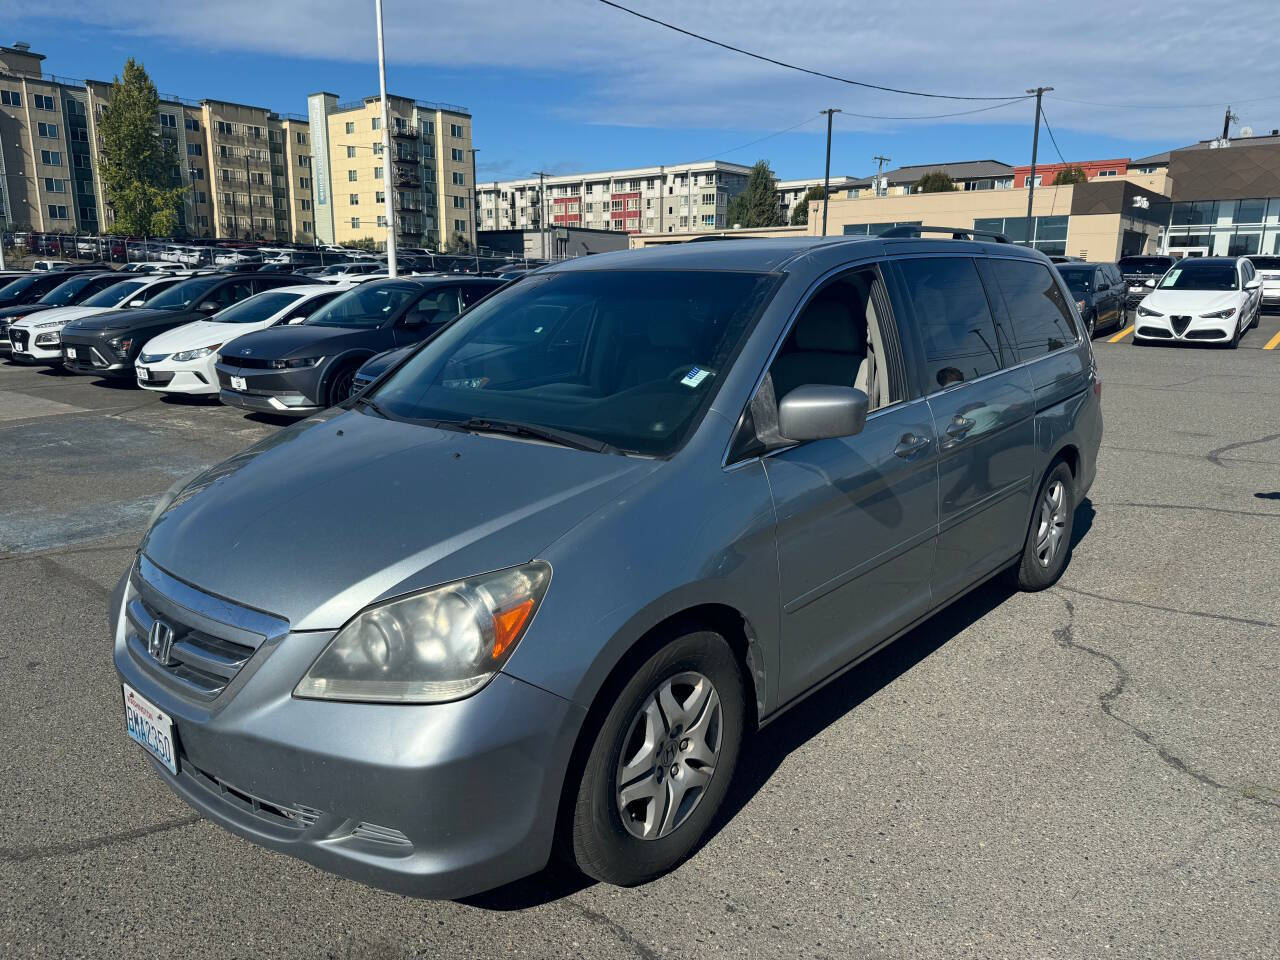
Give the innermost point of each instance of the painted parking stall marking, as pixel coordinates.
(1121, 335)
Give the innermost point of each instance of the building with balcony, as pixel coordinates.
(431, 172)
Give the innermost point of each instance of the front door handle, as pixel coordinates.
(910, 445)
(959, 427)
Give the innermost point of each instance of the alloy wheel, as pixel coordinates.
(1053, 523)
(669, 755)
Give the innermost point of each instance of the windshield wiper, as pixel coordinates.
(373, 405)
(564, 438)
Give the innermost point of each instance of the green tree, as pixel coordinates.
(935, 181)
(757, 206)
(138, 164)
(1070, 175)
(800, 215)
(458, 243)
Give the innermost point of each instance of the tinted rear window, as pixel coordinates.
(954, 317)
(1266, 263)
(1144, 264)
(1042, 320)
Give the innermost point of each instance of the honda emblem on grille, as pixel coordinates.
(246, 351)
(160, 643)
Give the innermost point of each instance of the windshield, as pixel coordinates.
(21, 286)
(116, 293)
(256, 309)
(370, 305)
(1079, 281)
(181, 295)
(67, 292)
(629, 358)
(1144, 264)
(1208, 277)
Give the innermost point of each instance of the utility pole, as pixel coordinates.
(542, 215)
(475, 206)
(880, 162)
(248, 189)
(1031, 180)
(387, 196)
(826, 177)
(1226, 123)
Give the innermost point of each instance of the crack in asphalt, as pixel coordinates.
(1215, 456)
(1176, 455)
(1186, 506)
(25, 854)
(1225, 617)
(1064, 636)
(67, 551)
(625, 937)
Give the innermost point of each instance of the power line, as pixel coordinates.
(938, 116)
(790, 66)
(1052, 138)
(752, 143)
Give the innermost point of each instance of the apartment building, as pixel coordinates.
(432, 169)
(965, 174)
(662, 199)
(791, 192)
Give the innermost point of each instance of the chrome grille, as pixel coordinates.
(211, 641)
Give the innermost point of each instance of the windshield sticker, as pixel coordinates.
(695, 376)
(1172, 278)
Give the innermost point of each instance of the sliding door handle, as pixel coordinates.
(910, 445)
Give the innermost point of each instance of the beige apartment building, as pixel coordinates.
(432, 171)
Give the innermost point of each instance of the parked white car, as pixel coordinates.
(1268, 268)
(50, 264)
(38, 338)
(182, 360)
(1201, 300)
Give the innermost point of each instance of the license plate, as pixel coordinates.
(150, 727)
(237, 383)
(143, 373)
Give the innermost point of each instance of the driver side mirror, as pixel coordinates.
(1253, 284)
(210, 306)
(1150, 283)
(822, 412)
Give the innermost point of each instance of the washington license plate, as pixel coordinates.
(237, 383)
(143, 373)
(150, 727)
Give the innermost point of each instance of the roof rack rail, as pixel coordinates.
(957, 233)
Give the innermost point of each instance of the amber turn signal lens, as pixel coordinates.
(508, 624)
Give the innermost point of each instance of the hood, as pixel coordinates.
(192, 336)
(121, 319)
(1193, 302)
(60, 314)
(21, 310)
(301, 340)
(325, 517)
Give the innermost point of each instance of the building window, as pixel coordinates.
(304, 183)
(1107, 173)
(52, 158)
(201, 197)
(57, 212)
(223, 127)
(355, 223)
(350, 126)
(458, 179)
(351, 175)
(377, 173)
(11, 98)
(301, 137)
(306, 204)
(377, 149)
(54, 185)
(168, 120)
(456, 154)
(306, 226)
(457, 131)
(196, 173)
(351, 151)
(379, 196)
(193, 150)
(46, 103)
(191, 123)
(382, 222)
(460, 226)
(429, 127)
(49, 130)
(354, 199)
(377, 123)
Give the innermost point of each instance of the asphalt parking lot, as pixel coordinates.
(1093, 770)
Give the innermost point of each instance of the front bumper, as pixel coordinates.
(192, 377)
(1175, 329)
(93, 357)
(442, 800)
(23, 343)
(294, 392)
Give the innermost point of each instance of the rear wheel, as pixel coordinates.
(661, 762)
(1044, 556)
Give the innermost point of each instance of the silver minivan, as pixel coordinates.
(534, 588)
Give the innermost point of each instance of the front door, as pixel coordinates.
(856, 516)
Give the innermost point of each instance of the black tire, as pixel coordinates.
(600, 844)
(1032, 572)
(1091, 326)
(1234, 342)
(1257, 317)
(340, 383)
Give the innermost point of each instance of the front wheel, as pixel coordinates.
(340, 386)
(1048, 544)
(661, 762)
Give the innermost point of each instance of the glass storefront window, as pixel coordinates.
(1251, 211)
(1244, 244)
(1051, 228)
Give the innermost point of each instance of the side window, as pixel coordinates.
(307, 308)
(231, 293)
(1101, 280)
(1039, 314)
(956, 326)
(838, 340)
(473, 292)
(437, 307)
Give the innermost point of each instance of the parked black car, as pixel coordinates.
(30, 293)
(310, 366)
(106, 345)
(1137, 271)
(376, 366)
(1100, 295)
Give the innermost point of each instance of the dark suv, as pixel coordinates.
(1100, 294)
(310, 366)
(1136, 271)
(106, 345)
(20, 296)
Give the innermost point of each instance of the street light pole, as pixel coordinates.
(386, 146)
(1035, 146)
(475, 206)
(542, 215)
(826, 178)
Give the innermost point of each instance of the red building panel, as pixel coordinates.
(1092, 169)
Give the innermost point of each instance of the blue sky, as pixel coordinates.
(574, 85)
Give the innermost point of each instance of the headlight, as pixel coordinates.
(195, 354)
(121, 344)
(442, 644)
(1219, 315)
(48, 339)
(1148, 312)
(295, 364)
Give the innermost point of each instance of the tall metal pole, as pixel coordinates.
(248, 189)
(475, 206)
(880, 162)
(826, 177)
(1226, 123)
(386, 147)
(1035, 146)
(542, 216)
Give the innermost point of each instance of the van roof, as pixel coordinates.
(774, 254)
